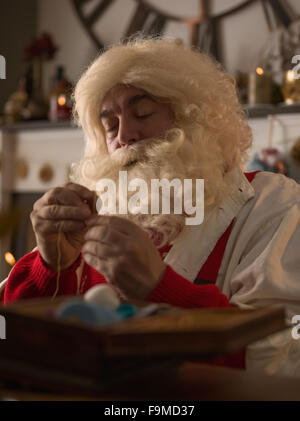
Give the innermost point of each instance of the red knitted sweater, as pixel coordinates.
(31, 278)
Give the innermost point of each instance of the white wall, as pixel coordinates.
(243, 34)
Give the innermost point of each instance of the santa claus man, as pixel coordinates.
(157, 109)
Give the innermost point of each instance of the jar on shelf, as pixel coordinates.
(60, 97)
(291, 88)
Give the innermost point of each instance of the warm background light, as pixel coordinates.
(9, 258)
(260, 71)
(61, 100)
(290, 76)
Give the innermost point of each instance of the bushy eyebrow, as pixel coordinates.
(132, 101)
(137, 98)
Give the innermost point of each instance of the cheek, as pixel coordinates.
(164, 122)
(169, 122)
(111, 146)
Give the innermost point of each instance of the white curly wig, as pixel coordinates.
(202, 96)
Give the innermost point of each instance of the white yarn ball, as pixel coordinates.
(103, 295)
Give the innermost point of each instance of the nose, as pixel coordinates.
(128, 132)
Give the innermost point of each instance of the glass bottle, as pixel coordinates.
(60, 97)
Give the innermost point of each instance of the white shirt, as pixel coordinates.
(261, 264)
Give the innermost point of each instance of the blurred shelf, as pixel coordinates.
(252, 111)
(257, 111)
(39, 124)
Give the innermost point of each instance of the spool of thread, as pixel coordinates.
(102, 294)
(90, 314)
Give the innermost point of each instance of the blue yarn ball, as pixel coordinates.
(127, 310)
(88, 313)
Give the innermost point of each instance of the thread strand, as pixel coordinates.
(58, 260)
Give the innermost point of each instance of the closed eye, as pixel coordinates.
(144, 116)
(112, 129)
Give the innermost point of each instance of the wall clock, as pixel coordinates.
(150, 19)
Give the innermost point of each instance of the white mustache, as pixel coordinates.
(146, 155)
(147, 150)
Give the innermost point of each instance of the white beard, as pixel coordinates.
(172, 157)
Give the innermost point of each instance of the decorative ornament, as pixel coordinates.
(22, 168)
(295, 156)
(291, 88)
(41, 47)
(295, 151)
(14, 106)
(46, 173)
(270, 158)
(60, 97)
(259, 87)
(283, 43)
(41, 50)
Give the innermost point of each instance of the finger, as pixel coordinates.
(45, 226)
(122, 224)
(111, 272)
(87, 196)
(64, 212)
(107, 235)
(92, 204)
(64, 196)
(58, 196)
(100, 265)
(83, 192)
(100, 250)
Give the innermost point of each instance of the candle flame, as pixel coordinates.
(260, 71)
(290, 76)
(61, 100)
(9, 258)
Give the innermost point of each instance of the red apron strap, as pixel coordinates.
(250, 175)
(209, 271)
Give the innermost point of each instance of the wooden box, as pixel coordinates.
(55, 355)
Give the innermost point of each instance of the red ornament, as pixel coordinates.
(43, 47)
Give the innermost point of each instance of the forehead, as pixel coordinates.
(122, 95)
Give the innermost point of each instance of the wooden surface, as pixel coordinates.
(69, 357)
(192, 381)
(171, 332)
(189, 382)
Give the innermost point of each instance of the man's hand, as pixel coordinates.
(67, 208)
(124, 254)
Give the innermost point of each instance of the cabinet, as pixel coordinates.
(33, 158)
